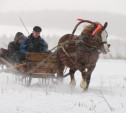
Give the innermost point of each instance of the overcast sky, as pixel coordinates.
(114, 6)
(61, 14)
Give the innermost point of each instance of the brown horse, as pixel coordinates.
(82, 52)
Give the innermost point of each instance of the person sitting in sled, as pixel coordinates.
(14, 48)
(34, 42)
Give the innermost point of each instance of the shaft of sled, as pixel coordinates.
(16, 66)
(6, 62)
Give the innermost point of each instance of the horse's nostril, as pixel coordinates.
(109, 45)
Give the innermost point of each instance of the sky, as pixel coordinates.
(114, 6)
(60, 14)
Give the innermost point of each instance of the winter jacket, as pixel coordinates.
(32, 44)
(14, 51)
(13, 47)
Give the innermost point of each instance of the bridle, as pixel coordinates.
(90, 47)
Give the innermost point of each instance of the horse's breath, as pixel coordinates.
(82, 52)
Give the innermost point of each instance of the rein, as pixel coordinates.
(76, 42)
(91, 48)
(67, 54)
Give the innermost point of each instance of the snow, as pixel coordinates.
(106, 93)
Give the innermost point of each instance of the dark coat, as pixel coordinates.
(13, 47)
(34, 44)
(14, 51)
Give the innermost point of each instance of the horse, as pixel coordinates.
(81, 52)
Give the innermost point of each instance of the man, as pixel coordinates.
(14, 48)
(34, 42)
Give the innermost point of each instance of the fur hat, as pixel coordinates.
(37, 29)
(18, 36)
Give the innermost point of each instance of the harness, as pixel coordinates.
(81, 41)
(88, 47)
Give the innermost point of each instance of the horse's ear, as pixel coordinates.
(105, 25)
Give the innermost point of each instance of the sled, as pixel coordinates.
(30, 68)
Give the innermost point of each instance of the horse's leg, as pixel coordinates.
(60, 73)
(83, 83)
(86, 75)
(72, 82)
(60, 66)
(60, 70)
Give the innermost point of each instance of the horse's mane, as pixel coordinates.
(89, 29)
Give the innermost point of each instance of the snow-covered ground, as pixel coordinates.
(106, 93)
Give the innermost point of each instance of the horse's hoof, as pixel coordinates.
(83, 84)
(73, 83)
(85, 89)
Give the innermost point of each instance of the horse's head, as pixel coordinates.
(95, 36)
(98, 37)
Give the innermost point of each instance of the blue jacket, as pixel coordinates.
(27, 42)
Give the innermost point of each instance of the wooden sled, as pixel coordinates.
(28, 68)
